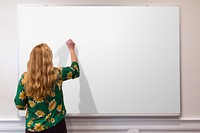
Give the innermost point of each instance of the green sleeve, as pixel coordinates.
(20, 97)
(70, 72)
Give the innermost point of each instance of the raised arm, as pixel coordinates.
(73, 71)
(71, 46)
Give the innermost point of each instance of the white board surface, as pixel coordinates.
(128, 55)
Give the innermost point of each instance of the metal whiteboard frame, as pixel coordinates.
(22, 113)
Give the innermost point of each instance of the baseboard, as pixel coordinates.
(112, 125)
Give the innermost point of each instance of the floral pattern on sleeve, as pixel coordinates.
(70, 72)
(21, 99)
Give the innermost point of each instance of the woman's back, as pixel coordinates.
(45, 112)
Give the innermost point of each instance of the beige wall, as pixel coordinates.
(190, 44)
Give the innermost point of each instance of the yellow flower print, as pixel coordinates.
(47, 117)
(52, 105)
(53, 94)
(69, 75)
(63, 112)
(22, 95)
(52, 120)
(21, 107)
(39, 100)
(76, 67)
(72, 68)
(39, 127)
(31, 103)
(27, 114)
(24, 79)
(30, 123)
(59, 108)
(39, 113)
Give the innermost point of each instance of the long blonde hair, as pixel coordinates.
(40, 72)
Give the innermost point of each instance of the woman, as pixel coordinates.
(40, 90)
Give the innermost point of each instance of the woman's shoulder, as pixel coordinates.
(23, 78)
(57, 72)
(24, 73)
(58, 69)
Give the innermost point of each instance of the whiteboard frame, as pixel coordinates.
(21, 114)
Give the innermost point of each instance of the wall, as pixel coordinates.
(190, 62)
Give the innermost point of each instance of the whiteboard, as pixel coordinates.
(128, 55)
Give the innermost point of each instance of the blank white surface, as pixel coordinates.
(129, 56)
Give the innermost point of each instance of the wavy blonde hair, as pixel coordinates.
(40, 72)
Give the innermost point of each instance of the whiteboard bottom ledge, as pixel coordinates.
(123, 115)
(22, 114)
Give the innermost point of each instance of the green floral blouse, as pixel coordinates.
(42, 114)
